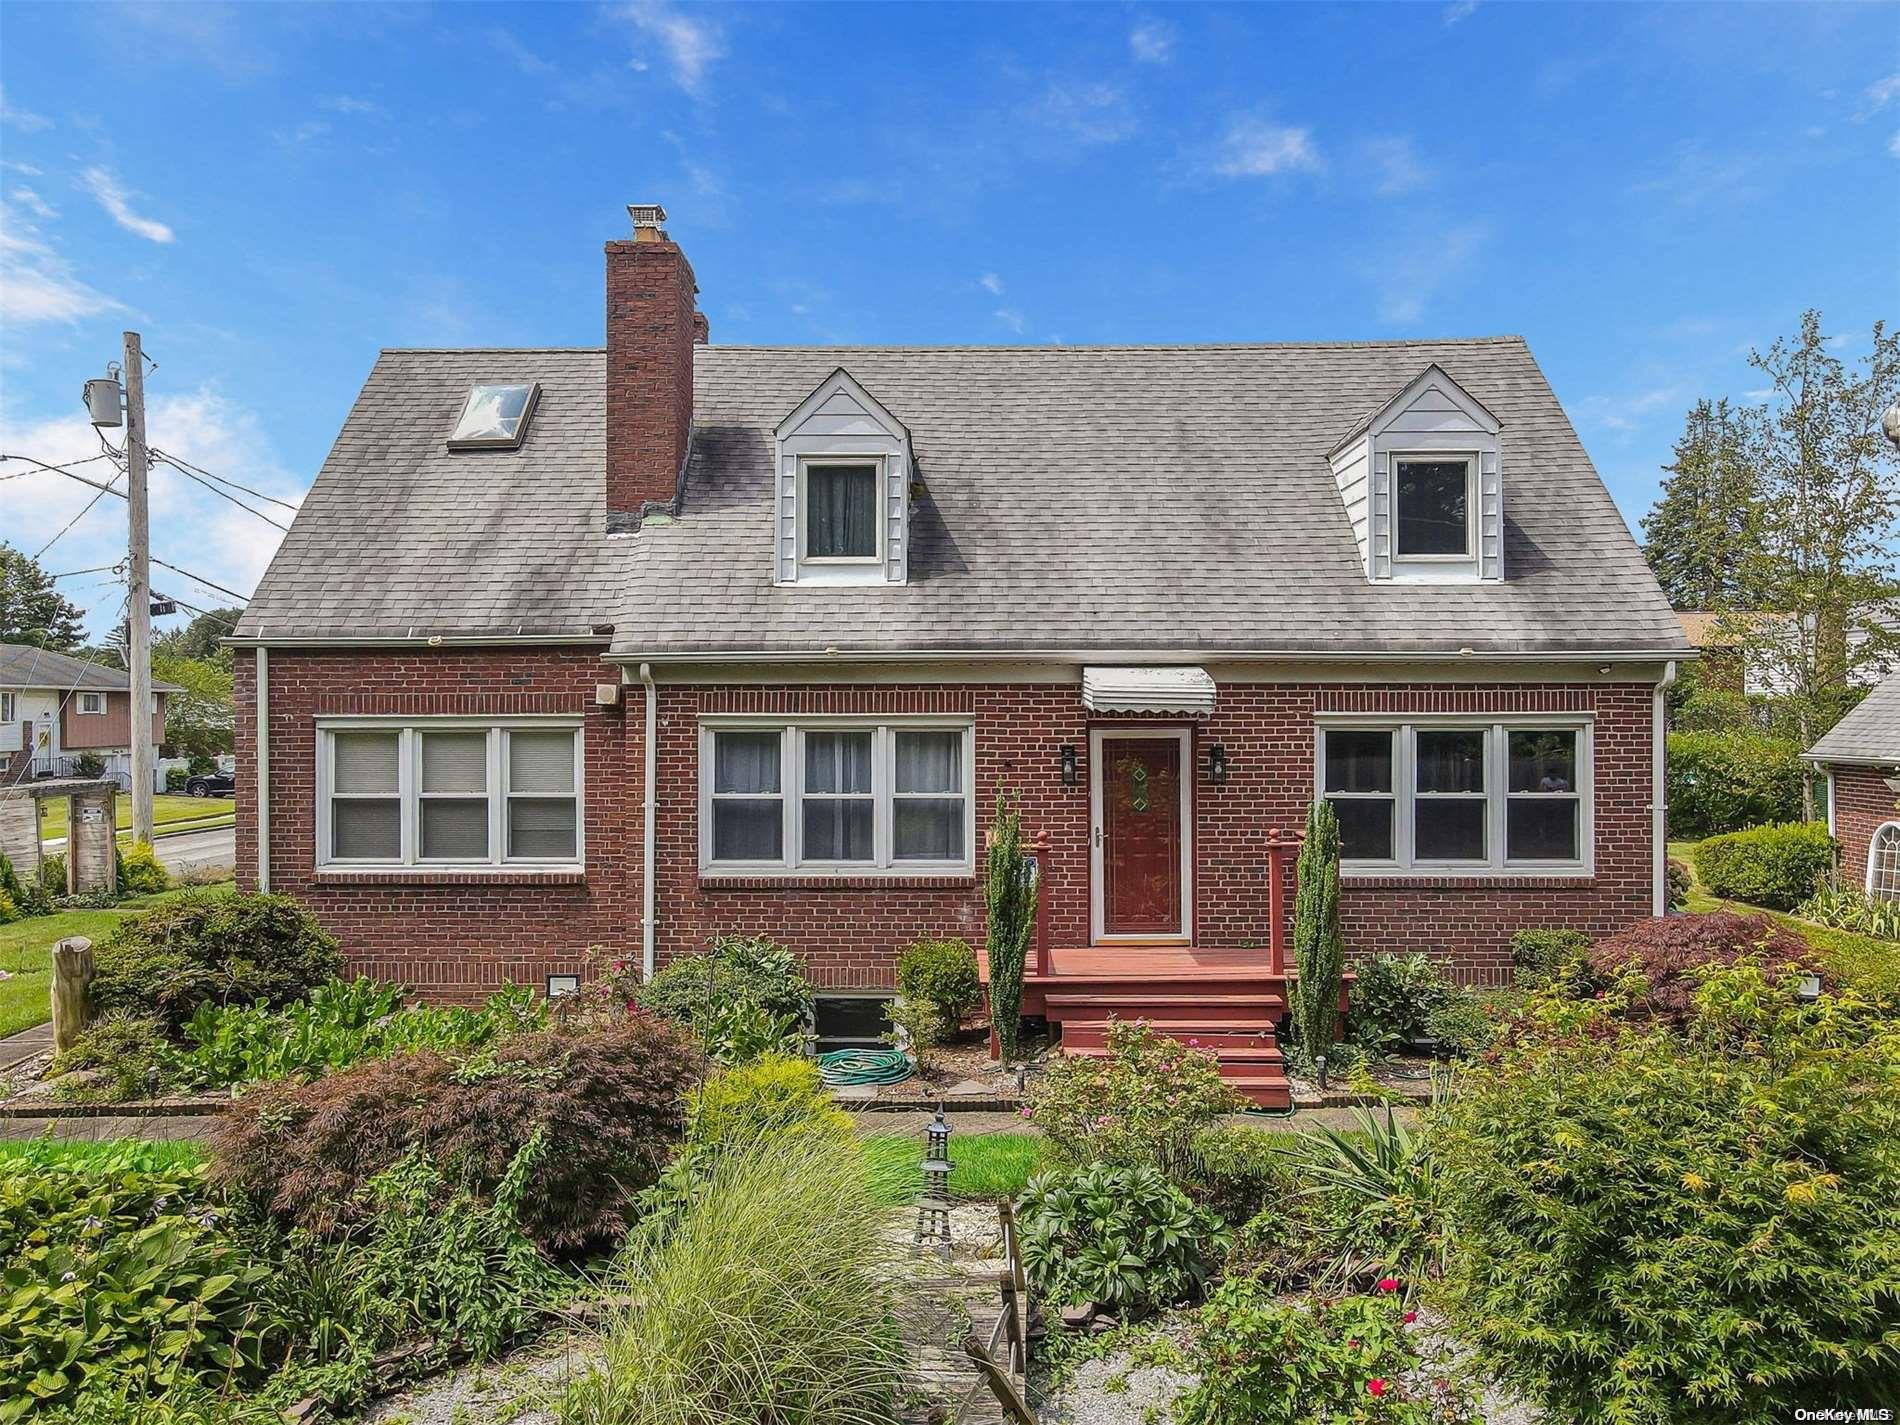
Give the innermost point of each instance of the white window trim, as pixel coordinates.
(409, 793)
(1497, 794)
(86, 709)
(1873, 851)
(1471, 461)
(883, 793)
(9, 706)
(873, 463)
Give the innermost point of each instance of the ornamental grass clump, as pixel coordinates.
(773, 1299)
(1697, 1226)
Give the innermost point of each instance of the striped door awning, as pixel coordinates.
(1180, 691)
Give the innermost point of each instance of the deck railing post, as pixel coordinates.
(1281, 847)
(1041, 849)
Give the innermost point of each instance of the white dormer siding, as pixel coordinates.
(1432, 452)
(838, 428)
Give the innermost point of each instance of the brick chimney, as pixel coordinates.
(651, 330)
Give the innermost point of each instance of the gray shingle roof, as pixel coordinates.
(24, 666)
(1870, 733)
(1078, 498)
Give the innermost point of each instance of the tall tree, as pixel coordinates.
(1709, 499)
(32, 610)
(200, 638)
(1816, 591)
(200, 720)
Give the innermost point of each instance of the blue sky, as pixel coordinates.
(272, 192)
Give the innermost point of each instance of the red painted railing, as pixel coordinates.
(1282, 848)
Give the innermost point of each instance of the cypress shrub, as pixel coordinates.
(1319, 952)
(1009, 895)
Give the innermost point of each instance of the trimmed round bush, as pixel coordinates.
(941, 974)
(1673, 953)
(212, 949)
(1393, 999)
(1722, 781)
(611, 1104)
(1773, 866)
(738, 967)
(1541, 956)
(140, 873)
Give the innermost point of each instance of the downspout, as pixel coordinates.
(1658, 791)
(261, 781)
(651, 759)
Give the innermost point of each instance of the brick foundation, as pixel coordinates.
(1862, 803)
(462, 939)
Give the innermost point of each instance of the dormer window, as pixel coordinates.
(494, 417)
(1434, 499)
(840, 501)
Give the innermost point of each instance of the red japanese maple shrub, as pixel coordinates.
(1671, 951)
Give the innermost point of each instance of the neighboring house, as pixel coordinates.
(1726, 663)
(628, 648)
(53, 707)
(1861, 759)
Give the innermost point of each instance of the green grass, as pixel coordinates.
(26, 953)
(109, 1154)
(166, 809)
(983, 1166)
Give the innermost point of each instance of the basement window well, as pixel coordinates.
(495, 417)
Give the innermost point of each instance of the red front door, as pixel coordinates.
(1141, 836)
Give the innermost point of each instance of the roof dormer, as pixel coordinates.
(843, 467)
(1422, 482)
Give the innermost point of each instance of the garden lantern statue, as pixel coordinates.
(933, 1208)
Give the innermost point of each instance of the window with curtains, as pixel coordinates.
(449, 793)
(1460, 795)
(839, 795)
(841, 511)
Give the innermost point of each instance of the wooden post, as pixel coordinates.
(1042, 849)
(72, 991)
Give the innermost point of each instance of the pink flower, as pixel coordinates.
(1026, 1110)
(1376, 1385)
(1410, 1317)
(620, 964)
(1101, 1120)
(1194, 1043)
(1388, 1283)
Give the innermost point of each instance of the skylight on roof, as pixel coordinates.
(495, 417)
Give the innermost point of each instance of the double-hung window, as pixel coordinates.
(836, 795)
(93, 703)
(841, 524)
(1459, 795)
(452, 793)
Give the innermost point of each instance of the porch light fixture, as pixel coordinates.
(1069, 775)
(562, 985)
(1217, 763)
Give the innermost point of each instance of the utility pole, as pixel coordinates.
(138, 651)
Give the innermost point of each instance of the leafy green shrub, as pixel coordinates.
(1140, 1106)
(1319, 952)
(1393, 999)
(1011, 888)
(9, 910)
(1670, 956)
(1470, 1020)
(1773, 866)
(1641, 1232)
(1238, 1171)
(176, 777)
(140, 873)
(128, 1276)
(736, 967)
(1123, 1236)
(1853, 910)
(940, 976)
(1542, 956)
(53, 873)
(771, 1095)
(129, 1053)
(1723, 781)
(611, 1103)
(773, 1299)
(1680, 882)
(211, 949)
(343, 1022)
(1264, 1362)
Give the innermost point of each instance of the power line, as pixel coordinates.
(104, 490)
(200, 579)
(226, 495)
(190, 469)
(96, 569)
(42, 466)
(181, 469)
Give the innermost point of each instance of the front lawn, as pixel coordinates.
(166, 810)
(26, 952)
(983, 1166)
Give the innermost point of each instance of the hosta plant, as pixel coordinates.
(1122, 1236)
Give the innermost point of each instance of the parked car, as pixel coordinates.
(212, 784)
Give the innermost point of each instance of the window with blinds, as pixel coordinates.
(449, 793)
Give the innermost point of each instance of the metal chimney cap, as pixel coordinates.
(646, 215)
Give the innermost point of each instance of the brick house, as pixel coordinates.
(54, 708)
(633, 646)
(1861, 760)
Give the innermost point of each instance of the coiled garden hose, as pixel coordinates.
(847, 1067)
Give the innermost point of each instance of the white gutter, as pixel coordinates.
(1830, 805)
(1658, 791)
(261, 778)
(1144, 656)
(429, 640)
(650, 759)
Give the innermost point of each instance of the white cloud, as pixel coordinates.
(1417, 265)
(991, 283)
(1087, 112)
(1459, 10)
(691, 46)
(25, 122)
(36, 283)
(1893, 144)
(33, 203)
(1880, 93)
(105, 187)
(1152, 42)
(1254, 148)
(1698, 176)
(1626, 413)
(1397, 165)
(29, 170)
(525, 59)
(351, 104)
(308, 130)
(1010, 318)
